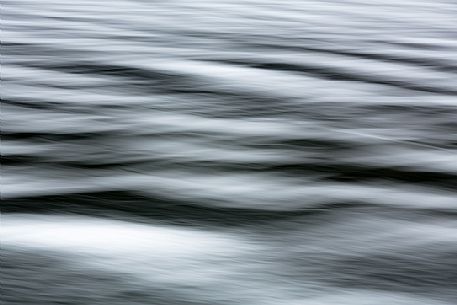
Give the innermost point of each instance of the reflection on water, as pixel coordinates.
(229, 152)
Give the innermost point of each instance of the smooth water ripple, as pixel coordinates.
(229, 152)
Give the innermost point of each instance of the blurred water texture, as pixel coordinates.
(229, 152)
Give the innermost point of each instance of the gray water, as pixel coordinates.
(229, 152)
